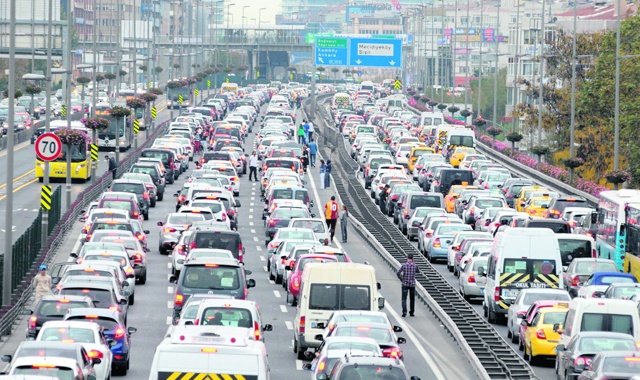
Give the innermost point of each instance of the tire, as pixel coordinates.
(278, 279)
(500, 319)
(146, 215)
(509, 334)
(119, 370)
(153, 203)
(449, 267)
(409, 237)
(514, 338)
(163, 251)
(132, 299)
(520, 344)
(160, 197)
(143, 280)
(300, 351)
(271, 276)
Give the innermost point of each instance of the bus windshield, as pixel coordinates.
(78, 153)
(110, 132)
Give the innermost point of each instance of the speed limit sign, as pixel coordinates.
(48, 146)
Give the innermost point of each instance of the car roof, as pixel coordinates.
(105, 313)
(214, 260)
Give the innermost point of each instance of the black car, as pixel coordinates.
(156, 175)
(449, 177)
(216, 238)
(52, 308)
(169, 160)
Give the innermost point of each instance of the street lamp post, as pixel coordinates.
(616, 125)
(495, 73)
(481, 65)
(573, 87)
(516, 62)
(258, 40)
(541, 69)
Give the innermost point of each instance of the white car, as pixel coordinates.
(319, 227)
(89, 334)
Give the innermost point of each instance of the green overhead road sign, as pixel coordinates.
(397, 85)
(331, 42)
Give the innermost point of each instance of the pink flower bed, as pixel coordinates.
(560, 174)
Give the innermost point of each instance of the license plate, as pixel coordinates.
(60, 173)
(510, 293)
(208, 340)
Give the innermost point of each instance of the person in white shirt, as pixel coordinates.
(311, 130)
(253, 166)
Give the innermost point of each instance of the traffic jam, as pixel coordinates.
(80, 329)
(543, 263)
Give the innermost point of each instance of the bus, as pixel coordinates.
(631, 262)
(174, 93)
(80, 157)
(108, 139)
(611, 226)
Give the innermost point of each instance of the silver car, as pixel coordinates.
(521, 304)
(471, 284)
(415, 220)
(173, 226)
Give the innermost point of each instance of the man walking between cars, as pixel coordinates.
(407, 275)
(313, 150)
(113, 166)
(42, 283)
(331, 213)
(253, 166)
(311, 130)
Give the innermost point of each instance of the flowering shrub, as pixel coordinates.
(70, 136)
(136, 103)
(95, 122)
(177, 83)
(618, 176)
(552, 171)
(493, 131)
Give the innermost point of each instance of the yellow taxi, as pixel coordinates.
(459, 153)
(524, 195)
(454, 192)
(536, 206)
(540, 339)
(416, 152)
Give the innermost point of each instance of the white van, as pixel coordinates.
(600, 314)
(328, 287)
(428, 119)
(209, 352)
(520, 258)
(229, 87)
(461, 137)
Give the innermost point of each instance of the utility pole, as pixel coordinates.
(481, 66)
(541, 70)
(516, 62)
(495, 74)
(466, 72)
(119, 58)
(94, 164)
(69, 53)
(47, 125)
(8, 243)
(616, 127)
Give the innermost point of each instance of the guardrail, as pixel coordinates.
(24, 290)
(525, 171)
(487, 352)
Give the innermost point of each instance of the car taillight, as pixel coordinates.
(582, 361)
(85, 229)
(32, 322)
(429, 233)
(575, 280)
(181, 249)
(181, 198)
(168, 230)
(119, 333)
(496, 294)
(436, 243)
(303, 320)
(114, 308)
(509, 195)
(178, 300)
(540, 334)
(486, 224)
(391, 352)
(593, 251)
(145, 195)
(137, 258)
(256, 329)
(471, 279)
(135, 214)
(95, 354)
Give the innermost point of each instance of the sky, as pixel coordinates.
(268, 15)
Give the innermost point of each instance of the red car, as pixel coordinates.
(295, 276)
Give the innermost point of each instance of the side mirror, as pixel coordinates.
(251, 283)
(6, 358)
(378, 286)
(524, 323)
(95, 361)
(321, 325)
(160, 224)
(125, 283)
(397, 329)
(598, 294)
(238, 204)
(267, 327)
(147, 250)
(556, 327)
(313, 215)
(415, 378)
(401, 340)
(131, 330)
(319, 337)
(176, 195)
(380, 302)
(482, 272)
(27, 312)
(173, 279)
(322, 376)
(123, 302)
(146, 232)
(131, 275)
(287, 267)
(560, 347)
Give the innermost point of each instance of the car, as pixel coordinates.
(103, 296)
(115, 330)
(442, 238)
(105, 228)
(600, 281)
(522, 303)
(623, 291)
(612, 365)
(470, 282)
(532, 311)
(52, 308)
(332, 349)
(340, 316)
(558, 204)
(137, 256)
(232, 313)
(277, 259)
(416, 218)
(173, 226)
(477, 204)
(89, 334)
(76, 363)
(295, 266)
(130, 205)
(215, 276)
(540, 336)
(452, 195)
(577, 356)
(281, 216)
(319, 227)
(367, 367)
(210, 236)
(580, 269)
(200, 253)
(104, 214)
(380, 332)
(457, 240)
(135, 187)
(148, 181)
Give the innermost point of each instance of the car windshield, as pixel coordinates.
(213, 277)
(289, 213)
(107, 323)
(128, 187)
(531, 298)
(215, 207)
(121, 205)
(625, 292)
(595, 266)
(486, 203)
(227, 316)
(101, 247)
(450, 229)
(599, 344)
(69, 335)
(60, 373)
(296, 234)
(425, 201)
(108, 214)
(185, 218)
(57, 308)
(553, 317)
(318, 226)
(339, 297)
(306, 260)
(113, 258)
(113, 226)
(100, 297)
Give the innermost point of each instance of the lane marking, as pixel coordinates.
(289, 325)
(299, 364)
(252, 204)
(169, 265)
(19, 177)
(16, 148)
(250, 210)
(170, 290)
(20, 187)
(169, 304)
(250, 216)
(262, 258)
(251, 223)
(255, 238)
(169, 320)
(277, 294)
(258, 248)
(283, 308)
(253, 231)
(265, 268)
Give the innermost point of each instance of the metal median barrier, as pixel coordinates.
(489, 354)
(27, 250)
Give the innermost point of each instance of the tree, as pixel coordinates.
(335, 71)
(99, 78)
(17, 93)
(486, 97)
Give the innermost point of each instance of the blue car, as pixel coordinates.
(117, 334)
(598, 282)
(442, 238)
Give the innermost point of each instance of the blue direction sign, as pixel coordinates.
(375, 52)
(331, 51)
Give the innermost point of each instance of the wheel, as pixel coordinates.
(509, 334)
(271, 276)
(146, 216)
(500, 319)
(300, 351)
(520, 344)
(404, 230)
(278, 279)
(449, 267)
(431, 259)
(163, 251)
(161, 196)
(119, 370)
(514, 338)
(132, 299)
(484, 311)
(409, 237)
(153, 203)
(127, 363)
(491, 316)
(143, 280)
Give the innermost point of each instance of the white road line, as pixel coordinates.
(299, 365)
(252, 204)
(250, 210)
(272, 282)
(425, 355)
(255, 238)
(265, 268)
(253, 231)
(253, 193)
(262, 258)
(169, 265)
(283, 308)
(277, 294)
(258, 248)
(250, 216)
(169, 304)
(251, 223)
(289, 325)
(169, 320)
(170, 289)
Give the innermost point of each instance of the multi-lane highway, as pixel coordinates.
(26, 187)
(429, 353)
